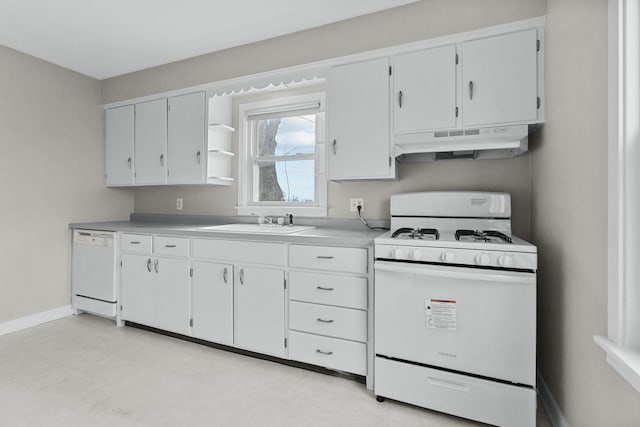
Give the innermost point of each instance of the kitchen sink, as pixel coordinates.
(257, 228)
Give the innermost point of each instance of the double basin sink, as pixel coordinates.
(257, 228)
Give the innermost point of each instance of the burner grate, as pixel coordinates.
(416, 233)
(484, 236)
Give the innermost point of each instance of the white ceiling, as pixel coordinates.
(111, 37)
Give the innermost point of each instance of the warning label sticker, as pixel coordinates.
(441, 314)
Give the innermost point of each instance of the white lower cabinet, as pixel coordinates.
(328, 317)
(234, 293)
(260, 309)
(212, 302)
(171, 289)
(136, 289)
(343, 355)
(155, 292)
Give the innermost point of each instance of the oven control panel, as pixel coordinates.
(458, 256)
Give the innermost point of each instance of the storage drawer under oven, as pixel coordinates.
(475, 398)
(465, 319)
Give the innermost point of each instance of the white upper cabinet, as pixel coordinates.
(186, 153)
(358, 114)
(425, 90)
(499, 79)
(119, 133)
(151, 142)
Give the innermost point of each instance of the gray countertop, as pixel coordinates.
(346, 233)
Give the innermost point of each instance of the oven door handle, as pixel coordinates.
(466, 273)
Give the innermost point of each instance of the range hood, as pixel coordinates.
(480, 143)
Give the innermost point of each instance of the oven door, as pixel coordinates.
(471, 320)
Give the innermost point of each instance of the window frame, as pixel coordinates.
(247, 182)
(622, 343)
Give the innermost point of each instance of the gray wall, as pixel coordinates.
(569, 220)
(51, 174)
(417, 21)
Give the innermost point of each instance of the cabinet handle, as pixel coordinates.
(335, 143)
(149, 265)
(470, 89)
(241, 276)
(198, 156)
(328, 353)
(225, 273)
(169, 246)
(161, 159)
(134, 243)
(400, 99)
(129, 162)
(322, 288)
(324, 320)
(324, 257)
(155, 265)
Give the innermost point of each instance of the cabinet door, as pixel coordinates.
(136, 288)
(171, 295)
(212, 302)
(119, 145)
(260, 309)
(151, 142)
(425, 90)
(358, 114)
(499, 79)
(185, 139)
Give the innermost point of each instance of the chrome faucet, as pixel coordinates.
(262, 219)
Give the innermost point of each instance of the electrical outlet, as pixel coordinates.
(354, 203)
(179, 204)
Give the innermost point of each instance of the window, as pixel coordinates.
(622, 343)
(281, 167)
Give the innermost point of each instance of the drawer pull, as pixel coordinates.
(327, 353)
(322, 288)
(325, 257)
(169, 246)
(324, 320)
(134, 243)
(452, 385)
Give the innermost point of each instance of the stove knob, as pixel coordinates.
(447, 256)
(416, 254)
(397, 253)
(505, 260)
(482, 259)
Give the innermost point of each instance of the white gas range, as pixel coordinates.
(455, 308)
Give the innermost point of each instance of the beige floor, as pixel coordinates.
(83, 371)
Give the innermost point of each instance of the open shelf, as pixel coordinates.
(220, 126)
(222, 152)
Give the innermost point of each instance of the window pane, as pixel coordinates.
(287, 181)
(286, 136)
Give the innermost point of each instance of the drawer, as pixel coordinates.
(239, 251)
(165, 245)
(336, 259)
(347, 356)
(335, 322)
(135, 243)
(468, 397)
(343, 291)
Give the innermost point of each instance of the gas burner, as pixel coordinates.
(483, 236)
(416, 233)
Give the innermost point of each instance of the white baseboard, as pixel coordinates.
(35, 319)
(550, 405)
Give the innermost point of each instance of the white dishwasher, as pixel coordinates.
(93, 275)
